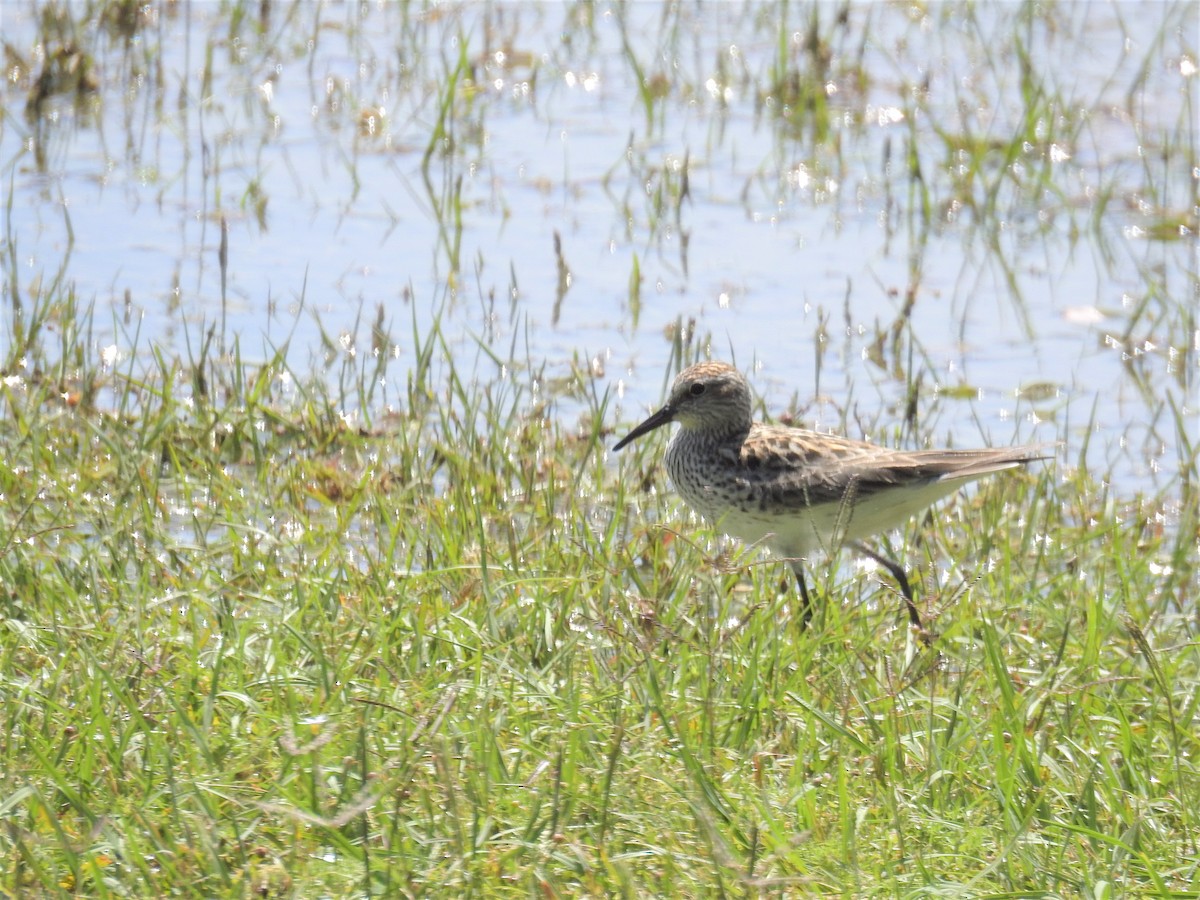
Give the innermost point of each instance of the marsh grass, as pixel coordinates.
(253, 647)
(397, 625)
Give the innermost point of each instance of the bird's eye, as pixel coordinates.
(697, 389)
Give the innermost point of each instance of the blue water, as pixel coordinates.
(1055, 315)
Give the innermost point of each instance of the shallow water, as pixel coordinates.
(1052, 278)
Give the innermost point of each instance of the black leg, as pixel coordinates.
(901, 579)
(806, 610)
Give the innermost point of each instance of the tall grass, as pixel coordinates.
(251, 648)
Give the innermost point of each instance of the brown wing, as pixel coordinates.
(790, 465)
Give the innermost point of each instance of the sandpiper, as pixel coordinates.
(800, 491)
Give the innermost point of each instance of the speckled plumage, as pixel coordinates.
(795, 490)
